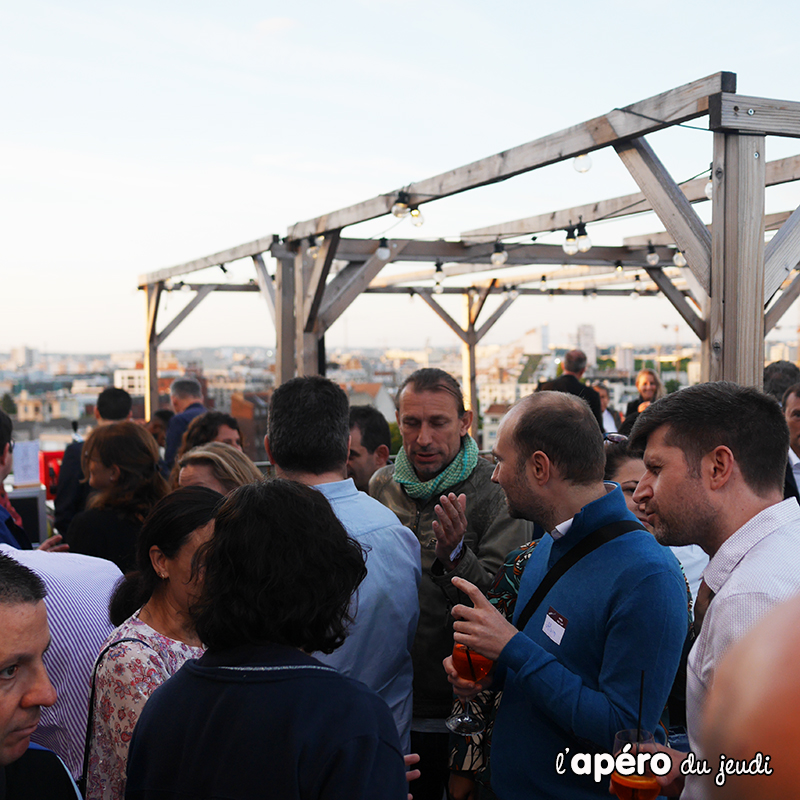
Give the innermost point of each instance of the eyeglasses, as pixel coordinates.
(614, 438)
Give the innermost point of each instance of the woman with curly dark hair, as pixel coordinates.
(213, 426)
(121, 461)
(257, 715)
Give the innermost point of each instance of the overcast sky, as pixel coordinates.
(141, 135)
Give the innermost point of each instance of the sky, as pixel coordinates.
(137, 136)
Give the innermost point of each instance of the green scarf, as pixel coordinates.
(459, 469)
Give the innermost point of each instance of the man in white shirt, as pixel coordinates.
(715, 456)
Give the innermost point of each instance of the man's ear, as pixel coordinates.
(4, 455)
(266, 447)
(381, 455)
(718, 466)
(539, 468)
(466, 422)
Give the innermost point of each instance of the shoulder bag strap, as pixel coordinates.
(572, 557)
(85, 774)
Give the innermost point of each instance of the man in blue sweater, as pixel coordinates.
(571, 675)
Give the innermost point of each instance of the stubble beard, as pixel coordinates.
(695, 524)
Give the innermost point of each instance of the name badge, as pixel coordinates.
(554, 625)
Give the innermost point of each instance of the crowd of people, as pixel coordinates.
(197, 630)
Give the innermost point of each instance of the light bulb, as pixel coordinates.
(184, 287)
(594, 294)
(313, 247)
(513, 294)
(652, 256)
(551, 295)
(678, 259)
(417, 218)
(636, 288)
(543, 284)
(570, 246)
(584, 242)
(383, 252)
(709, 189)
(618, 265)
(438, 288)
(499, 256)
(400, 208)
(582, 163)
(439, 276)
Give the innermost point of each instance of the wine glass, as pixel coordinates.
(470, 666)
(635, 787)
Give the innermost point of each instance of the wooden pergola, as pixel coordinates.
(733, 291)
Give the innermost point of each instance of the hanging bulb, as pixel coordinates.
(570, 246)
(514, 293)
(709, 189)
(618, 265)
(383, 252)
(585, 295)
(313, 247)
(400, 208)
(636, 288)
(184, 287)
(583, 241)
(416, 217)
(594, 293)
(652, 256)
(678, 259)
(543, 284)
(499, 256)
(551, 295)
(582, 163)
(438, 278)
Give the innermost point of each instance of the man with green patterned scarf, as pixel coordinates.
(441, 489)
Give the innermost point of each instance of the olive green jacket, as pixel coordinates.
(491, 535)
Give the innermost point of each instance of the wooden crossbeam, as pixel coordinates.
(201, 295)
(427, 297)
(671, 205)
(740, 114)
(781, 255)
(600, 292)
(319, 274)
(476, 307)
(781, 305)
(265, 285)
(677, 105)
(678, 300)
(499, 311)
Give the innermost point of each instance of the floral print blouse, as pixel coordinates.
(128, 674)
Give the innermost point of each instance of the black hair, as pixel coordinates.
(308, 427)
(114, 404)
(794, 389)
(617, 453)
(699, 418)
(430, 379)
(563, 427)
(18, 584)
(373, 427)
(168, 526)
(6, 427)
(165, 415)
(778, 377)
(280, 568)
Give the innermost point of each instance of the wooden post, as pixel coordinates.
(735, 319)
(468, 366)
(306, 343)
(152, 293)
(284, 320)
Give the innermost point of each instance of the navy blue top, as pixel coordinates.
(264, 721)
(176, 428)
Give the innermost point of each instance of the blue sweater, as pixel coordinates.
(625, 610)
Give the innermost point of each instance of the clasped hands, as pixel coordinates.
(482, 628)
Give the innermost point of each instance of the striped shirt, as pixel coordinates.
(78, 591)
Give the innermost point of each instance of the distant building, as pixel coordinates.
(624, 358)
(492, 417)
(22, 358)
(586, 342)
(46, 407)
(371, 394)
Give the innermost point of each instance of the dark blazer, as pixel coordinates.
(71, 492)
(176, 428)
(790, 485)
(571, 385)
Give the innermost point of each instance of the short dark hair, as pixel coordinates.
(114, 404)
(373, 427)
(575, 361)
(430, 379)
(617, 453)
(168, 526)
(18, 584)
(794, 389)
(563, 427)
(699, 418)
(204, 428)
(280, 568)
(6, 427)
(778, 377)
(186, 387)
(164, 414)
(308, 426)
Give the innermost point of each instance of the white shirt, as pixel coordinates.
(753, 571)
(795, 462)
(609, 426)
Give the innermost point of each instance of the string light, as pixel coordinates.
(709, 187)
(416, 217)
(383, 252)
(499, 256)
(584, 242)
(514, 293)
(315, 242)
(678, 259)
(400, 208)
(594, 293)
(223, 268)
(543, 284)
(438, 276)
(582, 163)
(652, 256)
(570, 246)
(637, 284)
(618, 265)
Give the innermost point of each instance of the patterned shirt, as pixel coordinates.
(128, 674)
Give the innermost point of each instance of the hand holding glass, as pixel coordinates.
(470, 666)
(634, 787)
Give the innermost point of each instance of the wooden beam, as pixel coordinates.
(600, 292)
(265, 285)
(427, 296)
(688, 314)
(469, 371)
(246, 250)
(319, 275)
(783, 170)
(306, 344)
(781, 255)
(201, 295)
(781, 305)
(477, 306)
(151, 298)
(351, 282)
(671, 205)
(284, 320)
(501, 309)
(677, 105)
(740, 114)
